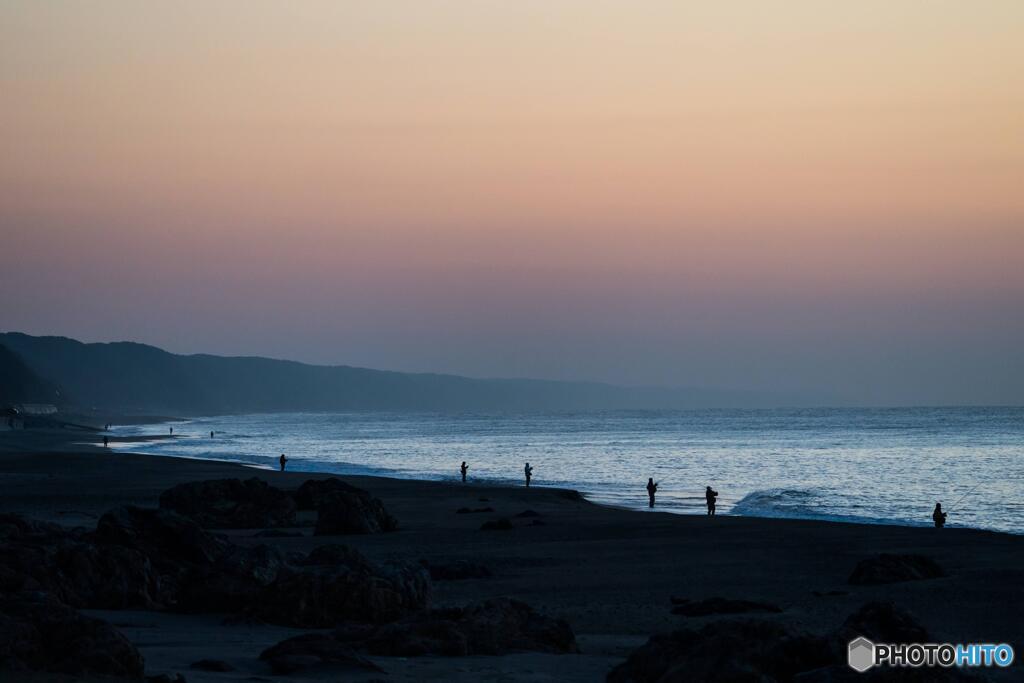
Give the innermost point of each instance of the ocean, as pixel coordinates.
(880, 466)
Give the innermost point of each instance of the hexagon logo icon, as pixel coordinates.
(860, 654)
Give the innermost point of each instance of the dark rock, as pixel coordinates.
(822, 594)
(38, 556)
(233, 582)
(166, 678)
(44, 635)
(106, 577)
(724, 651)
(278, 533)
(718, 605)
(467, 511)
(337, 554)
(343, 512)
(887, 568)
(231, 503)
(536, 522)
(313, 650)
(457, 570)
(484, 500)
(211, 665)
(311, 494)
(164, 536)
(492, 627)
(528, 513)
(502, 524)
(881, 622)
(356, 590)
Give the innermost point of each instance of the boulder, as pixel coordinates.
(38, 634)
(217, 665)
(318, 650)
(491, 627)
(718, 605)
(354, 590)
(881, 622)
(724, 651)
(337, 554)
(313, 491)
(457, 570)
(39, 557)
(470, 511)
(231, 503)
(888, 568)
(233, 582)
(345, 512)
(166, 537)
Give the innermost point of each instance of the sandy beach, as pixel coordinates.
(609, 573)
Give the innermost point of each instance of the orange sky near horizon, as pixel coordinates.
(760, 164)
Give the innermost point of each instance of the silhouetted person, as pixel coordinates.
(709, 495)
(939, 517)
(172, 431)
(652, 488)
(528, 471)
(463, 470)
(106, 442)
(211, 435)
(282, 460)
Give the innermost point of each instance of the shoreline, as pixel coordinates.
(590, 497)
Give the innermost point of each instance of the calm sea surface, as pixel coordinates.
(879, 466)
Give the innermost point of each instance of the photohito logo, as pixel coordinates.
(862, 654)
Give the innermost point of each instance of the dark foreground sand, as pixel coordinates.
(609, 572)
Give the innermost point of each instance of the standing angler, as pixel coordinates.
(710, 495)
(938, 516)
(282, 460)
(528, 471)
(463, 469)
(652, 488)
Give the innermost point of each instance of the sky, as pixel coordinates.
(817, 199)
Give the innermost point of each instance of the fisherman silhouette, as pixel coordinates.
(172, 430)
(463, 469)
(282, 460)
(710, 494)
(106, 441)
(652, 488)
(211, 435)
(529, 474)
(939, 517)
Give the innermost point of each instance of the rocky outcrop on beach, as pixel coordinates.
(888, 568)
(231, 503)
(768, 651)
(253, 504)
(346, 512)
(729, 650)
(37, 633)
(492, 627)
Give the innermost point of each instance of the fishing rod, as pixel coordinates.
(958, 500)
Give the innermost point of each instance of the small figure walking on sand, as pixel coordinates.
(939, 517)
(282, 460)
(710, 494)
(528, 471)
(463, 470)
(652, 488)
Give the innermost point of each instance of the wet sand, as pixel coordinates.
(609, 572)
